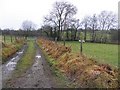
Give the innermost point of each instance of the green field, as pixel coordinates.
(8, 38)
(103, 53)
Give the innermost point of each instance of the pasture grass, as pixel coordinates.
(103, 53)
(8, 39)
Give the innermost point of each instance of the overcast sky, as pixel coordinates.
(14, 12)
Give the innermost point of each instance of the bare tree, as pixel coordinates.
(104, 22)
(86, 23)
(47, 29)
(75, 24)
(61, 12)
(28, 25)
(107, 20)
(94, 26)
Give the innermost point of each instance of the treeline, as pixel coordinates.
(71, 34)
(16, 34)
(62, 24)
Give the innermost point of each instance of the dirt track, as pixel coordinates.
(10, 65)
(38, 76)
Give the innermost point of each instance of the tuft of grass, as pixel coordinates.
(103, 53)
(27, 60)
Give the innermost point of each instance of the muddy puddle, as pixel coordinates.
(10, 66)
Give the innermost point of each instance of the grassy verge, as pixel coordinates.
(27, 60)
(103, 53)
(9, 49)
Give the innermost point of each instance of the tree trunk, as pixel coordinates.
(93, 35)
(67, 34)
(81, 48)
(85, 31)
(4, 39)
(85, 34)
(71, 35)
(58, 35)
(75, 34)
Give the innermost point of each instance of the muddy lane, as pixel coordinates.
(38, 76)
(10, 65)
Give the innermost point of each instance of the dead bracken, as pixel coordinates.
(10, 49)
(80, 69)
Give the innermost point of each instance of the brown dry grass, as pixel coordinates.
(80, 69)
(10, 49)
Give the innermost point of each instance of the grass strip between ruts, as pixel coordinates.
(27, 60)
